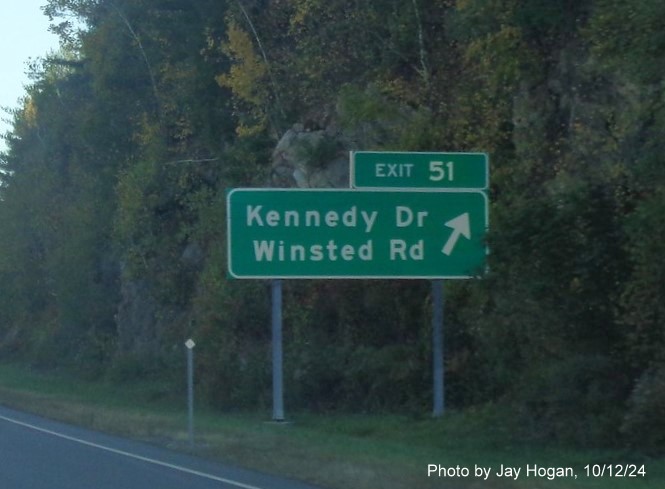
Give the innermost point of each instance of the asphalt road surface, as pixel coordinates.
(36, 453)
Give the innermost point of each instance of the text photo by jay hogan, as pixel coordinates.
(537, 471)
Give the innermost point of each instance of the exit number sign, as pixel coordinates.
(377, 170)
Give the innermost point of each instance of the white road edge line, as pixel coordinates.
(131, 455)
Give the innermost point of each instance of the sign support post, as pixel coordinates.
(437, 349)
(277, 354)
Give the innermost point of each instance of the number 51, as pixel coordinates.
(438, 171)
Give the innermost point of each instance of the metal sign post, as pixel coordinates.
(277, 355)
(437, 348)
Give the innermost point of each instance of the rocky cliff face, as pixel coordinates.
(311, 159)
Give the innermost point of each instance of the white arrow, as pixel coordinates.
(460, 226)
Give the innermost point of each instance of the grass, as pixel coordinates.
(334, 451)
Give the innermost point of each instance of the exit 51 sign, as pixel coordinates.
(376, 170)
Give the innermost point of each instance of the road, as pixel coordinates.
(36, 453)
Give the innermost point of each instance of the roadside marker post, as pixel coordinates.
(189, 344)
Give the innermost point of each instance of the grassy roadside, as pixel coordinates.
(359, 452)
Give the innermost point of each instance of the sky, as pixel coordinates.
(23, 35)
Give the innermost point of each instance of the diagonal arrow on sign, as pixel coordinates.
(461, 227)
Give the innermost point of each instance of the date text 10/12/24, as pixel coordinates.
(615, 470)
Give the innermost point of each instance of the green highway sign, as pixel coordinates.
(376, 170)
(324, 233)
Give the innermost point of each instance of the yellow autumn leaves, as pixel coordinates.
(245, 79)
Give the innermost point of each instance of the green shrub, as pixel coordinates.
(644, 422)
(576, 399)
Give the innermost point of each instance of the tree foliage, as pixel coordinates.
(112, 200)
